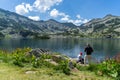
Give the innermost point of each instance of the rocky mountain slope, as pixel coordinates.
(12, 23)
(108, 25)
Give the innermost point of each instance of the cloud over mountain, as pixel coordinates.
(23, 8)
(44, 5)
(64, 17)
(35, 18)
(47, 7)
(38, 5)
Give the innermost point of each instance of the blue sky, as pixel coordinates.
(75, 11)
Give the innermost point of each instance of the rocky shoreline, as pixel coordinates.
(39, 51)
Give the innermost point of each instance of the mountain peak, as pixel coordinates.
(52, 20)
(109, 16)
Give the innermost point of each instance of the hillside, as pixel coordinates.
(12, 24)
(106, 26)
(17, 26)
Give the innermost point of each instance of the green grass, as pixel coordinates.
(18, 66)
(11, 72)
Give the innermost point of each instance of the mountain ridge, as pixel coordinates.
(12, 24)
(108, 25)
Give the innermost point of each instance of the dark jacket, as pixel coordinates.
(88, 50)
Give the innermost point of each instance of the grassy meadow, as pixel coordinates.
(18, 65)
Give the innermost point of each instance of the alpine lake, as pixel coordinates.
(69, 46)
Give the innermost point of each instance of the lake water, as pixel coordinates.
(68, 46)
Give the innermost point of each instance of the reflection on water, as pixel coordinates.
(68, 46)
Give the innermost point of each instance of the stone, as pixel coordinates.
(30, 72)
(57, 58)
(38, 52)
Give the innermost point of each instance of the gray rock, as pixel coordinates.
(38, 52)
(58, 58)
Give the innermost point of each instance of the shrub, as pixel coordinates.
(5, 57)
(35, 62)
(19, 56)
(21, 59)
(40, 62)
(108, 67)
(81, 68)
(92, 67)
(63, 66)
(46, 56)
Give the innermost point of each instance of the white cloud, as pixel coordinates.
(66, 18)
(54, 13)
(29, 7)
(35, 18)
(85, 20)
(38, 5)
(78, 16)
(77, 21)
(44, 5)
(22, 9)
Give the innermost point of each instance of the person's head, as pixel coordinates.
(88, 44)
(80, 53)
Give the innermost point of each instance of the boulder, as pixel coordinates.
(57, 58)
(38, 52)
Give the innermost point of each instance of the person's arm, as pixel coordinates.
(91, 49)
(85, 50)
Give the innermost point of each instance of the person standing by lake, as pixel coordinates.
(88, 50)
